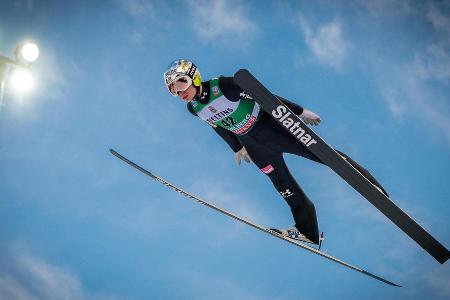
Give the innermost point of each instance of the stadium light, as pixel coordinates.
(21, 79)
(27, 52)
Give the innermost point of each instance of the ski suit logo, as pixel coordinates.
(286, 193)
(268, 169)
(244, 95)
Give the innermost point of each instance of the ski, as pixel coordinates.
(248, 222)
(295, 126)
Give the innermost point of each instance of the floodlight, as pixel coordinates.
(28, 52)
(22, 80)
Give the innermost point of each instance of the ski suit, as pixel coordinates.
(240, 121)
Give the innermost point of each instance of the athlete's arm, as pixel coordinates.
(233, 92)
(296, 109)
(229, 137)
(229, 89)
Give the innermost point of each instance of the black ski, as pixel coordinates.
(248, 222)
(295, 126)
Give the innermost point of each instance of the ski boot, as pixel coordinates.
(293, 233)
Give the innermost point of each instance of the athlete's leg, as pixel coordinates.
(305, 152)
(303, 210)
(284, 142)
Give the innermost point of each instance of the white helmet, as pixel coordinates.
(182, 68)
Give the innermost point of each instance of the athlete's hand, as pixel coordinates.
(242, 154)
(310, 117)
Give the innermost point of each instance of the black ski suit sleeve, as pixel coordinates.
(227, 84)
(229, 137)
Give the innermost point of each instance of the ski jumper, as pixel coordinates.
(240, 121)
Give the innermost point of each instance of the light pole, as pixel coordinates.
(3, 70)
(25, 55)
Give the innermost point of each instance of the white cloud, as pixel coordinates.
(216, 192)
(239, 203)
(326, 42)
(11, 289)
(433, 64)
(212, 20)
(28, 277)
(415, 84)
(439, 279)
(137, 8)
(205, 286)
(379, 8)
(28, 4)
(410, 88)
(439, 21)
(136, 36)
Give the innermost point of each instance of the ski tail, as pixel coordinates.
(248, 222)
(321, 240)
(379, 278)
(113, 152)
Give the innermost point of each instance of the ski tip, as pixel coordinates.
(380, 279)
(115, 153)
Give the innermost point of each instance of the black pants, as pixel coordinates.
(265, 144)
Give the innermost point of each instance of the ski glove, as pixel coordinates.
(310, 118)
(242, 154)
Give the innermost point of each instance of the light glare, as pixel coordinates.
(30, 52)
(22, 80)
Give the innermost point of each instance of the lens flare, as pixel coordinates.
(22, 80)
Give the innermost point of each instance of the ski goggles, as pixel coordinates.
(179, 85)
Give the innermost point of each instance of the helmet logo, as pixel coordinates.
(212, 109)
(185, 66)
(192, 71)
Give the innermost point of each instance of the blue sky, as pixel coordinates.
(76, 223)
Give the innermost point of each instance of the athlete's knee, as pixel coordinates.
(280, 181)
(286, 189)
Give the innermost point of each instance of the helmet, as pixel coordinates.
(182, 68)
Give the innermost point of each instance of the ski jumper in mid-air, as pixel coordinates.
(254, 136)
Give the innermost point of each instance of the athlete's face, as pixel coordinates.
(188, 94)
